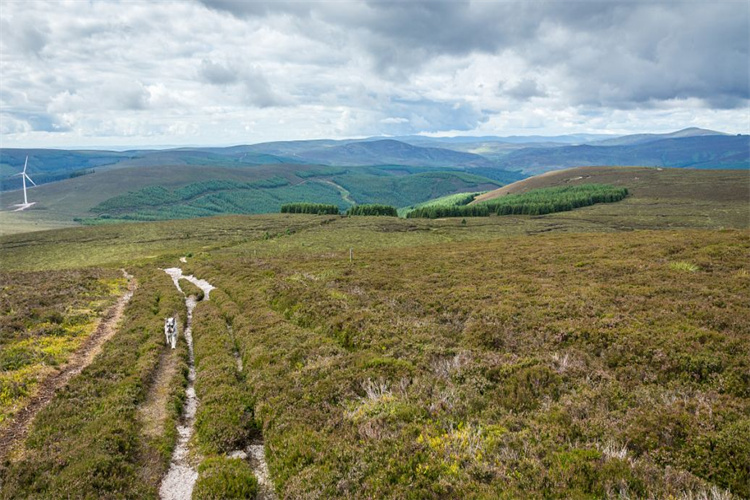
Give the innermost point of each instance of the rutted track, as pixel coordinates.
(16, 432)
(180, 479)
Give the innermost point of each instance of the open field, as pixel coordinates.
(586, 354)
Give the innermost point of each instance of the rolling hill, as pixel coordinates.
(627, 140)
(183, 191)
(584, 354)
(392, 152)
(705, 152)
(495, 156)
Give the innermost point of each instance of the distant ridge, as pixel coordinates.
(489, 156)
(390, 151)
(628, 140)
(699, 151)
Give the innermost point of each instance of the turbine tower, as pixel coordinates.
(24, 177)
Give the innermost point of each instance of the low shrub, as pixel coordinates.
(225, 419)
(221, 478)
(87, 442)
(189, 289)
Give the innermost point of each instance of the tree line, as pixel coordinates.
(536, 202)
(309, 208)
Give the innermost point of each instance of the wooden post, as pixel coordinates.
(350, 254)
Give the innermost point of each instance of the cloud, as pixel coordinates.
(525, 90)
(254, 86)
(217, 71)
(39, 122)
(217, 74)
(24, 35)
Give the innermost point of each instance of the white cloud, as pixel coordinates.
(230, 71)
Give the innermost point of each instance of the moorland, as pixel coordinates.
(590, 353)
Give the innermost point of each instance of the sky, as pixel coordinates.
(98, 73)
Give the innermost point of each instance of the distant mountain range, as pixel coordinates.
(489, 156)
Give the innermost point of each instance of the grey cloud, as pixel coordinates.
(24, 35)
(258, 91)
(40, 122)
(253, 84)
(638, 52)
(217, 74)
(253, 8)
(525, 90)
(134, 98)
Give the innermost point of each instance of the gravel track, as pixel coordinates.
(180, 479)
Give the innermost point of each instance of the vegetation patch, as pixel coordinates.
(226, 419)
(451, 200)
(512, 377)
(683, 266)
(437, 212)
(222, 478)
(373, 209)
(309, 208)
(555, 199)
(45, 317)
(88, 442)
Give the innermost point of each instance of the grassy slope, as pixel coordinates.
(526, 370)
(57, 204)
(532, 356)
(46, 316)
(658, 197)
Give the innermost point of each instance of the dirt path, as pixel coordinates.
(180, 479)
(153, 413)
(345, 195)
(16, 432)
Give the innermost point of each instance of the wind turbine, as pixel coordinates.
(24, 176)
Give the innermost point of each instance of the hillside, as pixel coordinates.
(179, 191)
(646, 138)
(706, 152)
(392, 152)
(569, 355)
(693, 184)
(695, 148)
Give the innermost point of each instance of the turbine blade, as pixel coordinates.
(25, 164)
(29, 178)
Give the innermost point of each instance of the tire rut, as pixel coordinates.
(180, 479)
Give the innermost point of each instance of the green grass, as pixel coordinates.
(568, 355)
(554, 199)
(451, 200)
(44, 318)
(87, 442)
(528, 365)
